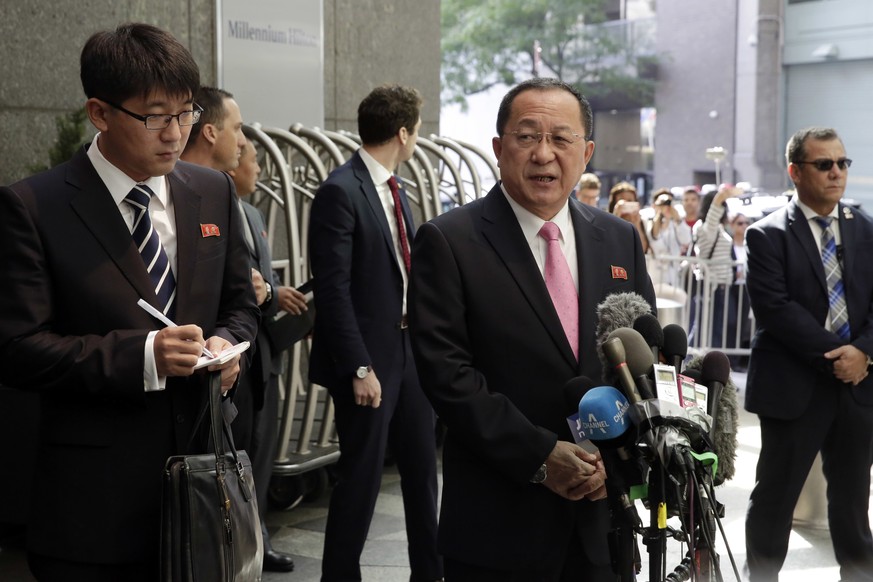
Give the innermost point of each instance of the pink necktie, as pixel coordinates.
(560, 284)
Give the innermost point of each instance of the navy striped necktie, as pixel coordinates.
(148, 241)
(834, 274)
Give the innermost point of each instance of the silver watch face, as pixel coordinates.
(362, 372)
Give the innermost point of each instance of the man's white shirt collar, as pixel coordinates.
(120, 184)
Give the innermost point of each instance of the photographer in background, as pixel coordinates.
(668, 236)
(624, 203)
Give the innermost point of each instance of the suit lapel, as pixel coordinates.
(97, 209)
(500, 227)
(848, 241)
(799, 228)
(186, 204)
(252, 223)
(590, 259)
(373, 201)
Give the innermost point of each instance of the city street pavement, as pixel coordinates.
(300, 531)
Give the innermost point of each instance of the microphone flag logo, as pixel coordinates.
(602, 413)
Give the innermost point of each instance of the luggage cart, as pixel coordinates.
(307, 447)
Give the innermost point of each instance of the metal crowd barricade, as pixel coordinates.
(442, 173)
(714, 314)
(290, 172)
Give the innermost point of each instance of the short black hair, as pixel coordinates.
(795, 151)
(544, 84)
(211, 100)
(136, 59)
(385, 110)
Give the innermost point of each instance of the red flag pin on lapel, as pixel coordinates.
(618, 272)
(209, 230)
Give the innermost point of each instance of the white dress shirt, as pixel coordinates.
(163, 219)
(380, 175)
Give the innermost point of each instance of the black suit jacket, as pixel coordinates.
(789, 296)
(263, 364)
(358, 286)
(493, 359)
(70, 329)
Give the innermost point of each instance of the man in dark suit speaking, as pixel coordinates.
(810, 281)
(80, 244)
(502, 308)
(359, 234)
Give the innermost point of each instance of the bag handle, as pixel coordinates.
(220, 431)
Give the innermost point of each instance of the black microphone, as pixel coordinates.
(675, 345)
(650, 328)
(638, 358)
(726, 417)
(575, 389)
(715, 373)
(696, 376)
(614, 350)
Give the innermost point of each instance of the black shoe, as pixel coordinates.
(277, 562)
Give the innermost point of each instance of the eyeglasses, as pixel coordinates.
(561, 139)
(163, 120)
(826, 165)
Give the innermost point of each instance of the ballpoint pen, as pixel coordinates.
(157, 314)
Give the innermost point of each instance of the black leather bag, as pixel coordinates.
(211, 529)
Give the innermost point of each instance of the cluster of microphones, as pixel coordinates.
(656, 414)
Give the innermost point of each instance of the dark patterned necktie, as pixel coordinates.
(833, 273)
(401, 226)
(148, 241)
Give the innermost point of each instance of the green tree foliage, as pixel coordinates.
(71, 136)
(491, 42)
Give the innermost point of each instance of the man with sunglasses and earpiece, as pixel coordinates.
(810, 280)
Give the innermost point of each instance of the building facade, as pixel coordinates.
(365, 42)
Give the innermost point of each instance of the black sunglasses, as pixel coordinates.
(826, 165)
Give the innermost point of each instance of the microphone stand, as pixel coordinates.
(622, 549)
(656, 536)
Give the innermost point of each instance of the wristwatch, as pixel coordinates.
(540, 475)
(363, 371)
(269, 292)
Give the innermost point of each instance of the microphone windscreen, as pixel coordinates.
(726, 420)
(638, 355)
(716, 367)
(603, 414)
(619, 310)
(675, 341)
(575, 389)
(650, 328)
